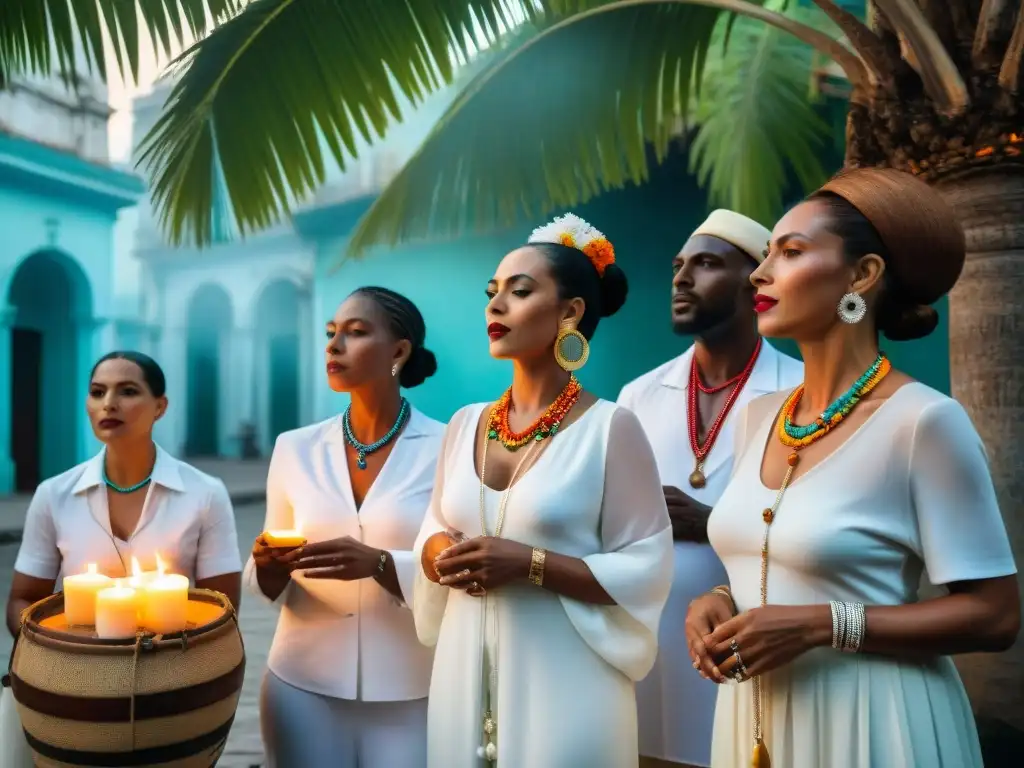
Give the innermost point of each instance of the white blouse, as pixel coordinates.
(350, 639)
(186, 519)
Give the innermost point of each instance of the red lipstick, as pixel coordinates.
(763, 303)
(497, 330)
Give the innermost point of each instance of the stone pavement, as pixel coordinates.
(245, 481)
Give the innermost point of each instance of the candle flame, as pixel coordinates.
(136, 568)
(160, 567)
(91, 569)
(119, 583)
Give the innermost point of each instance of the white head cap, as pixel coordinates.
(737, 230)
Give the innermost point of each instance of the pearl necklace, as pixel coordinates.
(362, 449)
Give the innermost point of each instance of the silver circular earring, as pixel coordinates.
(852, 308)
(394, 369)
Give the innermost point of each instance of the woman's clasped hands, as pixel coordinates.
(726, 645)
(482, 563)
(344, 558)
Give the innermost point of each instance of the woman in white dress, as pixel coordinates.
(548, 606)
(825, 541)
(347, 680)
(132, 500)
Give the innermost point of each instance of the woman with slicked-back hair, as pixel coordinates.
(846, 490)
(346, 681)
(132, 500)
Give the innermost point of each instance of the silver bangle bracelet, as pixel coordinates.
(848, 626)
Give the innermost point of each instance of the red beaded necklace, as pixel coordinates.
(545, 426)
(701, 451)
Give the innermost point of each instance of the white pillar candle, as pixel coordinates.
(117, 612)
(165, 604)
(80, 596)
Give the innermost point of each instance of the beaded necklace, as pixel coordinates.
(125, 488)
(497, 429)
(798, 438)
(362, 449)
(701, 450)
(545, 426)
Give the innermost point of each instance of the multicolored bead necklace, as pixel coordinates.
(547, 425)
(798, 438)
(701, 450)
(362, 449)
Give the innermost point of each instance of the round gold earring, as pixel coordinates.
(571, 347)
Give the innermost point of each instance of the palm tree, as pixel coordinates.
(57, 37)
(287, 86)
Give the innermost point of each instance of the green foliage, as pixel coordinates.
(758, 127)
(573, 112)
(287, 86)
(41, 36)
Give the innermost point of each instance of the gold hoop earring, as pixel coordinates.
(571, 347)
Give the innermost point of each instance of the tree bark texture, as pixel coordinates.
(986, 355)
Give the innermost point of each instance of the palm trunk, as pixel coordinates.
(986, 354)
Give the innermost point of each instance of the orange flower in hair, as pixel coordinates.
(576, 233)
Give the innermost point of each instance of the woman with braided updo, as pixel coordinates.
(846, 491)
(347, 681)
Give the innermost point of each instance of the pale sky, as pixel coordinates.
(121, 93)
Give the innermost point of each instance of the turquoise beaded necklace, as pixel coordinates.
(124, 488)
(838, 409)
(362, 449)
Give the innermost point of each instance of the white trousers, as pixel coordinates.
(302, 730)
(14, 751)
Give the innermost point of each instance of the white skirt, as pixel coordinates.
(14, 751)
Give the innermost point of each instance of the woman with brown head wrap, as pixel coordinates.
(845, 491)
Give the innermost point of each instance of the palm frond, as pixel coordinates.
(757, 125)
(570, 114)
(287, 87)
(60, 36)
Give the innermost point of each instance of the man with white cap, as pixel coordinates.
(688, 408)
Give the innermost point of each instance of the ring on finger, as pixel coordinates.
(463, 573)
(741, 669)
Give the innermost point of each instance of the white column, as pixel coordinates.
(7, 316)
(172, 354)
(96, 337)
(241, 385)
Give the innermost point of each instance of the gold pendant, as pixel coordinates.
(761, 758)
(697, 479)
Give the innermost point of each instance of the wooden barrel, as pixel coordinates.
(157, 700)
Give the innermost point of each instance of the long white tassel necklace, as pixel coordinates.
(489, 654)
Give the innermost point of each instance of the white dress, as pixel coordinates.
(909, 490)
(565, 669)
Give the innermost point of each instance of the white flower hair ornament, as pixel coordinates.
(576, 233)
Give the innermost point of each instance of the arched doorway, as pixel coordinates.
(209, 325)
(278, 345)
(52, 300)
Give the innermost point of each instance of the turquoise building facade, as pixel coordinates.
(57, 216)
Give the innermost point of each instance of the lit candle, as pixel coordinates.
(165, 602)
(80, 596)
(117, 611)
(284, 538)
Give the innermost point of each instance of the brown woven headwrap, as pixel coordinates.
(926, 243)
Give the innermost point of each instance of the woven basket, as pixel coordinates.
(164, 700)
